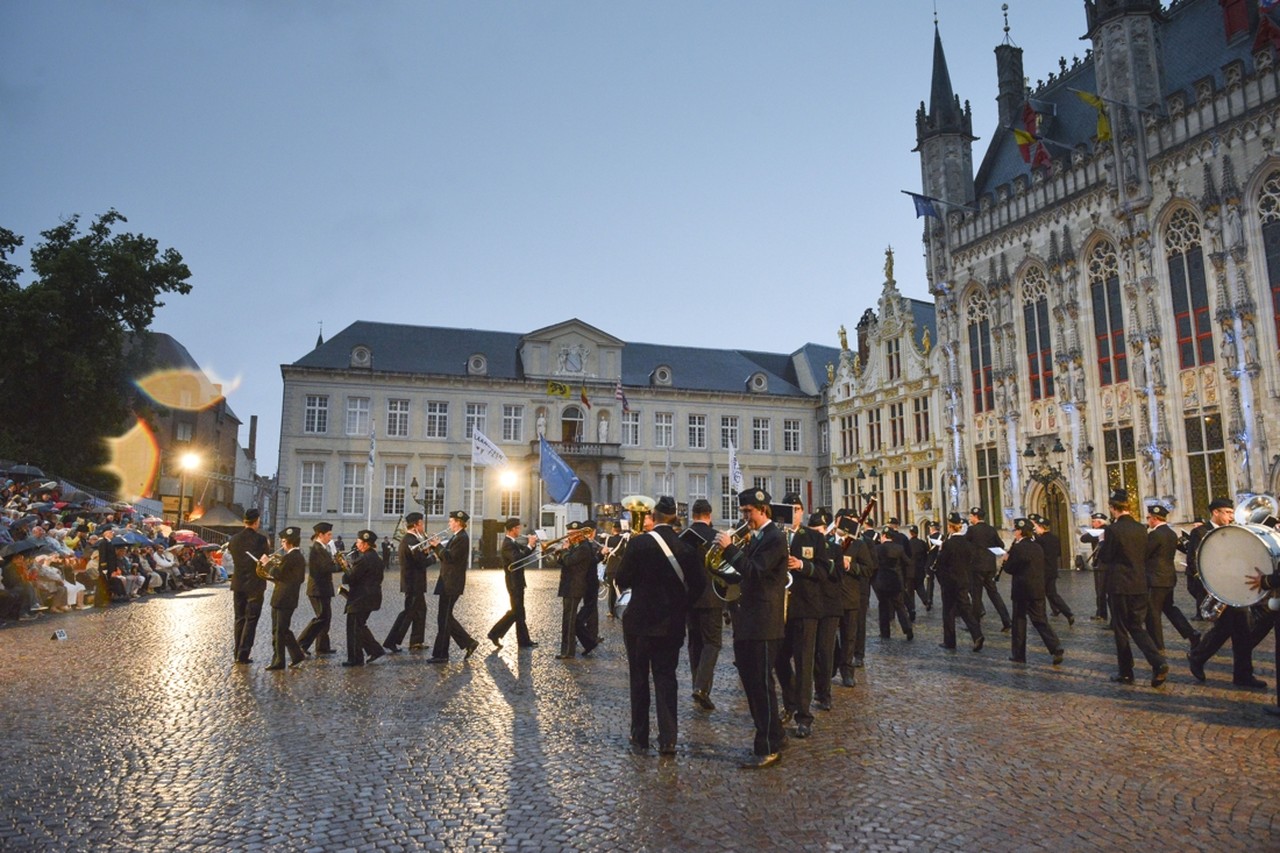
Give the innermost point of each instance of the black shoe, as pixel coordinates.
(1160, 675)
(529, 645)
(978, 643)
(801, 731)
(391, 648)
(1071, 621)
(275, 667)
(945, 646)
(1006, 629)
(297, 662)
(1250, 683)
(703, 701)
(244, 661)
(639, 748)
(563, 656)
(822, 704)
(848, 681)
(374, 657)
(326, 653)
(353, 663)
(1196, 667)
(1122, 679)
(587, 650)
(471, 649)
(1058, 655)
(910, 636)
(759, 762)
(497, 644)
(667, 749)
(417, 647)
(434, 659)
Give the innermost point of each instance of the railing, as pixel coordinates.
(581, 449)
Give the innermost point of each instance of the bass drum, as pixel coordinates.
(1229, 554)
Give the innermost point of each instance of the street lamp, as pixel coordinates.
(1040, 466)
(187, 463)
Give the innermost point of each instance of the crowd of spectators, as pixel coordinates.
(59, 556)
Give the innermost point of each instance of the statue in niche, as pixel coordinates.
(1229, 353)
(603, 431)
(1077, 380)
(1157, 364)
(1250, 343)
(542, 424)
(1139, 370)
(1233, 229)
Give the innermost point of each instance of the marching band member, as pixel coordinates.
(413, 583)
(248, 590)
(320, 571)
(364, 596)
(1121, 556)
(288, 579)
(1162, 577)
(513, 551)
(706, 617)
(577, 562)
(449, 587)
(1025, 565)
(952, 569)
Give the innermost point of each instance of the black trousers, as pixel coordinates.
(514, 616)
(570, 628)
(909, 595)
(706, 637)
(282, 639)
(1100, 593)
(795, 668)
(247, 612)
(447, 628)
(360, 641)
(317, 630)
(588, 618)
(846, 637)
(1245, 630)
(754, 659)
(986, 581)
(1160, 602)
(412, 620)
(860, 620)
(955, 602)
(1055, 599)
(655, 657)
(890, 604)
(1129, 619)
(824, 657)
(1033, 610)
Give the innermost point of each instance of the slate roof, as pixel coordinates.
(1193, 46)
(399, 348)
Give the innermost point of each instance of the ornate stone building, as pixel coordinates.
(1108, 285)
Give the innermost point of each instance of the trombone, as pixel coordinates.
(536, 555)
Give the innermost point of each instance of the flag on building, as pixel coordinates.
(621, 397)
(1104, 123)
(557, 389)
(924, 205)
(484, 451)
(735, 471)
(555, 473)
(373, 443)
(582, 395)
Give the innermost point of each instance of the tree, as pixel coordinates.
(64, 375)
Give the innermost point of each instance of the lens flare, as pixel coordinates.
(185, 389)
(135, 459)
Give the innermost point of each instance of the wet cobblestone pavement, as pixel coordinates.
(138, 733)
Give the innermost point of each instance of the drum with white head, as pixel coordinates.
(1229, 555)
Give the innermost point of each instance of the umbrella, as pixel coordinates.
(20, 547)
(25, 472)
(208, 547)
(133, 537)
(42, 506)
(152, 519)
(186, 536)
(173, 549)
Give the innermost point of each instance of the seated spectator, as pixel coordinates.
(16, 575)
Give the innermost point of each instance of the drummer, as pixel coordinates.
(1236, 623)
(1259, 582)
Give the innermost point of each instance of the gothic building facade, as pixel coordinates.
(1107, 282)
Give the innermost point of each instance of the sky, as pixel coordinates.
(669, 172)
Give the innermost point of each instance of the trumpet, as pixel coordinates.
(440, 539)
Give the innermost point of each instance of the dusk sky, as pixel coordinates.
(721, 174)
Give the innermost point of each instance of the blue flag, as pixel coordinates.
(559, 477)
(924, 205)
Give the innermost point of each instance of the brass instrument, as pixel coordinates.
(268, 564)
(714, 561)
(340, 560)
(558, 544)
(433, 541)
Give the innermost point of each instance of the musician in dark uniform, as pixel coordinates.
(321, 568)
(706, 615)
(908, 567)
(1239, 624)
(807, 561)
(247, 589)
(760, 565)
(832, 586)
(917, 558)
(952, 569)
(611, 544)
(287, 577)
(576, 561)
(450, 585)
(1025, 564)
(665, 576)
(414, 559)
(1162, 577)
(1122, 556)
(889, 584)
(858, 567)
(589, 608)
(984, 569)
(364, 596)
(514, 551)
(1052, 548)
(1259, 582)
(1097, 521)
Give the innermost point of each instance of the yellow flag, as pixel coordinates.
(557, 389)
(1023, 137)
(1104, 123)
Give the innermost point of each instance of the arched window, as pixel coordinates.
(571, 424)
(1108, 318)
(1190, 295)
(1269, 206)
(1035, 319)
(979, 318)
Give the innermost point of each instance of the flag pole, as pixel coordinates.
(368, 504)
(471, 511)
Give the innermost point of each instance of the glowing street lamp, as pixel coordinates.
(187, 463)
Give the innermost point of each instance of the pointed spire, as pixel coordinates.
(1068, 253)
(945, 114)
(1210, 199)
(320, 336)
(1230, 189)
(1054, 260)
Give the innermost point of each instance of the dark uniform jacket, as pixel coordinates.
(708, 600)
(918, 553)
(413, 565)
(762, 562)
(660, 599)
(1194, 538)
(810, 547)
(364, 583)
(288, 580)
(513, 550)
(320, 571)
(984, 537)
(246, 547)
(1052, 547)
(891, 559)
(861, 565)
(832, 583)
(577, 565)
(453, 565)
(1122, 555)
(1162, 542)
(108, 559)
(955, 557)
(1025, 564)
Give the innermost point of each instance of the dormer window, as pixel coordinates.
(662, 375)
(362, 357)
(758, 383)
(477, 365)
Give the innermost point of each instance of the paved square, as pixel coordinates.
(137, 733)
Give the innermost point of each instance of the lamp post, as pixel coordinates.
(189, 462)
(1040, 466)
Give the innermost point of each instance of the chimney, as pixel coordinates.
(253, 437)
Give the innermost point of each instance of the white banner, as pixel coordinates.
(735, 472)
(484, 451)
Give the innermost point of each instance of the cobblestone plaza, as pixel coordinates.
(136, 732)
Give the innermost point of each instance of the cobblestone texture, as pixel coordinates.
(137, 733)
